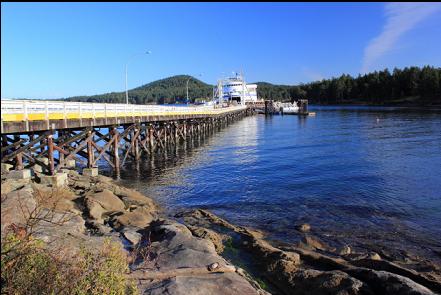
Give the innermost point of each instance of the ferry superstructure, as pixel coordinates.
(234, 90)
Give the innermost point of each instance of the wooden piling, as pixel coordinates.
(50, 148)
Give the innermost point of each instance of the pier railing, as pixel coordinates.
(32, 115)
(24, 110)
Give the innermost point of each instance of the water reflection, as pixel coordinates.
(244, 136)
(355, 179)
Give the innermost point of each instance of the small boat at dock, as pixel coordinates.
(289, 108)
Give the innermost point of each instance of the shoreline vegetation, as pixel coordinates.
(93, 236)
(411, 86)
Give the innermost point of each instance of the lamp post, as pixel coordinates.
(200, 75)
(127, 64)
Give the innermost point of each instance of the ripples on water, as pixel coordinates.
(358, 175)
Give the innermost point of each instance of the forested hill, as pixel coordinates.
(168, 90)
(408, 86)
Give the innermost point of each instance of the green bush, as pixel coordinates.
(26, 268)
(29, 267)
(105, 272)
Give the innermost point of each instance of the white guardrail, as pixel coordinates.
(32, 110)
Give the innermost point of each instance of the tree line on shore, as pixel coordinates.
(408, 86)
(411, 85)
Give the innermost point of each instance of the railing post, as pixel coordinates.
(93, 113)
(26, 117)
(46, 115)
(64, 115)
(105, 112)
(81, 114)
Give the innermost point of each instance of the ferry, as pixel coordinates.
(234, 90)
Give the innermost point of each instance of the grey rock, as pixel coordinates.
(374, 256)
(132, 197)
(303, 227)
(96, 211)
(141, 217)
(211, 235)
(213, 266)
(311, 242)
(312, 282)
(10, 185)
(383, 282)
(107, 200)
(62, 225)
(345, 250)
(15, 206)
(132, 235)
(177, 249)
(97, 228)
(216, 283)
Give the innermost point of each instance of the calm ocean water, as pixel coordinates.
(359, 175)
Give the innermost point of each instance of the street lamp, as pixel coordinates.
(127, 64)
(200, 75)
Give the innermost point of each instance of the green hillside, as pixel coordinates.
(168, 90)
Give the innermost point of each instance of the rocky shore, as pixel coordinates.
(197, 252)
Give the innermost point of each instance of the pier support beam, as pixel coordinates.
(50, 148)
(115, 135)
(90, 153)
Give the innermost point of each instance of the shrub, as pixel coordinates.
(30, 266)
(26, 268)
(104, 273)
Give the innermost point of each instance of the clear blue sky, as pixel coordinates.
(53, 50)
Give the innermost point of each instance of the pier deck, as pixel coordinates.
(30, 116)
(51, 134)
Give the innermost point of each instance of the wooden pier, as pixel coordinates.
(53, 135)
